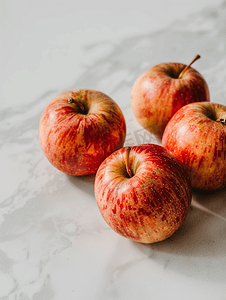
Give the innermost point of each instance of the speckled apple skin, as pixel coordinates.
(150, 206)
(77, 143)
(158, 93)
(199, 142)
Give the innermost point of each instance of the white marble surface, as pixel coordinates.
(54, 243)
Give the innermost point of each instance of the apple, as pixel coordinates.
(162, 90)
(79, 129)
(143, 193)
(196, 135)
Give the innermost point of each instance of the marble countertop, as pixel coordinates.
(54, 244)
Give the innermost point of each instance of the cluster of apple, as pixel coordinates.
(143, 192)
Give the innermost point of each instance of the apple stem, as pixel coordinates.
(81, 107)
(70, 100)
(223, 121)
(127, 162)
(188, 66)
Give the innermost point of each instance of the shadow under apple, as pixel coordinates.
(198, 248)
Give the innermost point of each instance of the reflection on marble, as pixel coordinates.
(54, 243)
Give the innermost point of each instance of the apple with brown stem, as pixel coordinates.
(162, 90)
(196, 135)
(143, 193)
(79, 129)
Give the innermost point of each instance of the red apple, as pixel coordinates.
(159, 92)
(143, 193)
(196, 135)
(79, 129)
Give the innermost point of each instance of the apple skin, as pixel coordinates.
(152, 204)
(158, 93)
(199, 141)
(76, 137)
